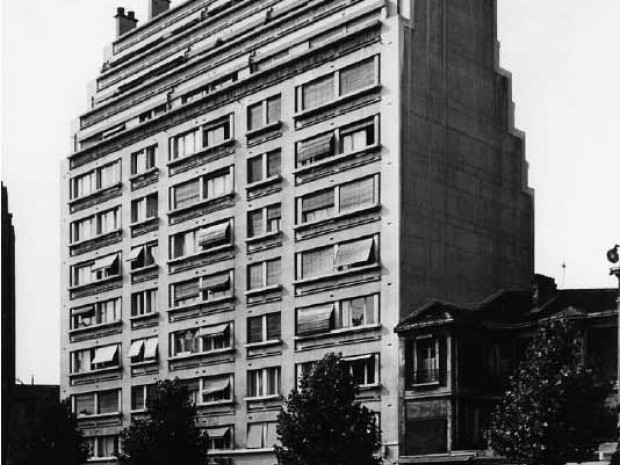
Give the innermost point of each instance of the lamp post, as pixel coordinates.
(613, 256)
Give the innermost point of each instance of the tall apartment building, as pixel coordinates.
(259, 182)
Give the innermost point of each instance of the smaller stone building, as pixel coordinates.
(457, 360)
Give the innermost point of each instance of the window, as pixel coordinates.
(426, 359)
(144, 302)
(262, 435)
(102, 268)
(96, 225)
(143, 350)
(96, 358)
(216, 389)
(340, 257)
(264, 382)
(302, 369)
(143, 256)
(202, 340)
(97, 403)
(264, 113)
(103, 446)
(264, 221)
(343, 140)
(344, 314)
(206, 187)
(338, 84)
(184, 144)
(317, 206)
(185, 292)
(95, 180)
(143, 160)
(153, 113)
(264, 166)
(363, 369)
(264, 274)
(220, 437)
(144, 208)
(216, 133)
(264, 328)
(140, 396)
(203, 289)
(99, 313)
(199, 240)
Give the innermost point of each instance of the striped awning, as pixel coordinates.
(136, 347)
(314, 320)
(315, 148)
(354, 253)
(212, 234)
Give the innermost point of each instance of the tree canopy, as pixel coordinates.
(322, 424)
(168, 434)
(554, 410)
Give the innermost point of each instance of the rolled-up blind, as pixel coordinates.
(273, 164)
(273, 326)
(186, 194)
(273, 272)
(85, 404)
(108, 402)
(317, 147)
(357, 194)
(318, 92)
(317, 262)
(255, 329)
(318, 201)
(314, 320)
(357, 77)
(186, 289)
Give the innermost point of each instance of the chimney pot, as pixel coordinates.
(124, 22)
(131, 14)
(120, 11)
(157, 7)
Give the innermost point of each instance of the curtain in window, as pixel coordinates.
(273, 381)
(273, 326)
(255, 223)
(355, 253)
(255, 329)
(85, 404)
(107, 446)
(255, 276)
(357, 77)
(186, 290)
(357, 194)
(108, 402)
(273, 110)
(318, 92)
(314, 320)
(315, 148)
(255, 383)
(255, 116)
(186, 194)
(273, 164)
(273, 272)
(317, 262)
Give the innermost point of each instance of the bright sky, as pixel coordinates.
(563, 55)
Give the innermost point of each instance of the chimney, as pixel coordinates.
(544, 289)
(124, 22)
(157, 7)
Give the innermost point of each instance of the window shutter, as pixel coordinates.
(108, 402)
(357, 194)
(318, 201)
(186, 194)
(85, 404)
(315, 148)
(357, 77)
(318, 92)
(255, 329)
(273, 164)
(273, 326)
(317, 262)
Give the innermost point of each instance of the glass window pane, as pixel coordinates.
(318, 92)
(255, 329)
(255, 223)
(357, 77)
(255, 276)
(273, 110)
(357, 194)
(255, 169)
(273, 164)
(255, 116)
(317, 262)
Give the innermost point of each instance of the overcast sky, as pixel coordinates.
(563, 55)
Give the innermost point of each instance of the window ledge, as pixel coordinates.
(143, 222)
(96, 283)
(335, 218)
(263, 290)
(152, 267)
(430, 383)
(95, 327)
(97, 416)
(96, 372)
(263, 237)
(219, 248)
(201, 203)
(336, 158)
(95, 193)
(201, 303)
(369, 387)
(263, 129)
(264, 182)
(200, 354)
(143, 317)
(204, 151)
(339, 332)
(144, 363)
(271, 397)
(216, 403)
(133, 177)
(256, 345)
(337, 274)
(100, 459)
(337, 101)
(96, 238)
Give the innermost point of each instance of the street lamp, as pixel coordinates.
(613, 256)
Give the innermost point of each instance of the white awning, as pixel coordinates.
(211, 234)
(136, 347)
(105, 354)
(218, 433)
(216, 386)
(135, 254)
(150, 347)
(212, 330)
(354, 253)
(104, 263)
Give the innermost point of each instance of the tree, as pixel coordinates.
(322, 423)
(554, 411)
(168, 434)
(47, 434)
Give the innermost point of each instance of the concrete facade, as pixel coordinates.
(390, 152)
